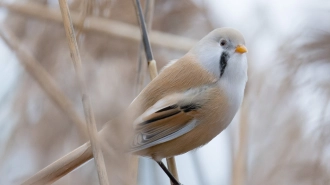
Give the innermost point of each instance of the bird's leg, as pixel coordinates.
(168, 173)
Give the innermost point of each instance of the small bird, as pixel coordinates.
(193, 98)
(190, 102)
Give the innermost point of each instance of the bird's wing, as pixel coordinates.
(169, 118)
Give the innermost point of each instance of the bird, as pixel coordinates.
(191, 101)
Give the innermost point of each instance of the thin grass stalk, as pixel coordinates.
(102, 25)
(62, 166)
(91, 125)
(87, 6)
(239, 166)
(148, 13)
(46, 82)
(171, 165)
(152, 66)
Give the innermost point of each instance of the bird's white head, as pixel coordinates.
(223, 53)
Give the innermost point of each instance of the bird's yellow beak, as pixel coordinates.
(241, 49)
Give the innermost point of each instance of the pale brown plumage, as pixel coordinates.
(184, 74)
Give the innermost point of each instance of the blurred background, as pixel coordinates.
(281, 134)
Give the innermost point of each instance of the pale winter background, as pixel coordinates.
(280, 136)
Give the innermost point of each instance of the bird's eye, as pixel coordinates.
(223, 42)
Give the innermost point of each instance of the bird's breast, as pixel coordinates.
(217, 113)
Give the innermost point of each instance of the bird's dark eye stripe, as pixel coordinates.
(223, 62)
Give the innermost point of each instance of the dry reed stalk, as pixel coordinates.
(90, 119)
(239, 166)
(148, 13)
(46, 82)
(102, 25)
(152, 66)
(87, 6)
(172, 167)
(62, 166)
